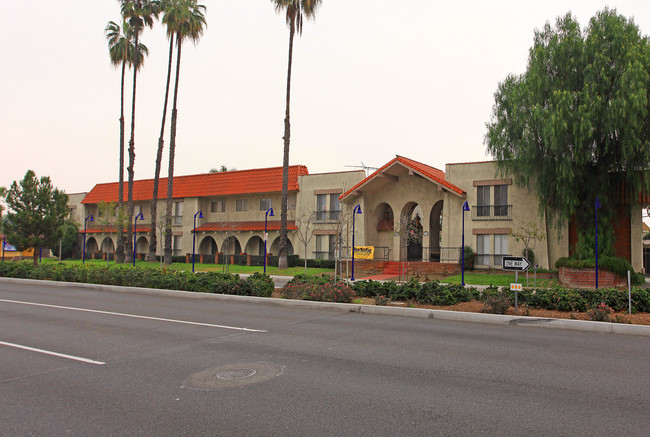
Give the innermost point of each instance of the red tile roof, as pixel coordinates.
(431, 173)
(245, 226)
(113, 229)
(263, 180)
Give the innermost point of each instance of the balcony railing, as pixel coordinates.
(491, 212)
(331, 216)
(489, 260)
(324, 255)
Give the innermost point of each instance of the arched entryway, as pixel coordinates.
(231, 246)
(435, 231)
(275, 247)
(411, 232)
(91, 246)
(208, 246)
(255, 246)
(142, 246)
(107, 245)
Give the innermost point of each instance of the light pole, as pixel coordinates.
(269, 212)
(355, 211)
(200, 214)
(4, 238)
(83, 254)
(596, 206)
(462, 249)
(135, 234)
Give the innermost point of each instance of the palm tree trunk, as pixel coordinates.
(282, 260)
(119, 250)
(156, 180)
(130, 168)
(172, 151)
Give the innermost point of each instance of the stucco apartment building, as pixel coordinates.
(408, 211)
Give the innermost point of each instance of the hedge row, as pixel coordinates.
(319, 288)
(560, 299)
(431, 293)
(211, 282)
(618, 266)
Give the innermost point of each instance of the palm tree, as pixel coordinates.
(295, 11)
(186, 19)
(120, 47)
(138, 13)
(164, 5)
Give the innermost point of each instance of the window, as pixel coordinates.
(327, 208)
(325, 247)
(291, 203)
(483, 201)
(178, 213)
(241, 205)
(265, 204)
(176, 245)
(321, 206)
(335, 208)
(500, 248)
(500, 200)
(218, 206)
(137, 209)
(483, 250)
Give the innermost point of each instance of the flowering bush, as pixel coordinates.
(381, 300)
(320, 288)
(602, 313)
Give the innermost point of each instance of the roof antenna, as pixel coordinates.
(366, 168)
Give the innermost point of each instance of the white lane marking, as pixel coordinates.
(134, 316)
(56, 354)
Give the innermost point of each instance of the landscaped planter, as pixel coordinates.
(586, 278)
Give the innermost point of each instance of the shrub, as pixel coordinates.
(495, 300)
(319, 288)
(470, 257)
(381, 300)
(618, 266)
(601, 313)
(261, 285)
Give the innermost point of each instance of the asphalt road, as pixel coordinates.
(146, 364)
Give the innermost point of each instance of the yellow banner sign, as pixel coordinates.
(364, 252)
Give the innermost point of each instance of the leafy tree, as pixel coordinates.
(36, 213)
(223, 168)
(295, 11)
(138, 13)
(529, 234)
(68, 242)
(185, 19)
(121, 47)
(575, 126)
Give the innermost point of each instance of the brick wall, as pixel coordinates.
(586, 278)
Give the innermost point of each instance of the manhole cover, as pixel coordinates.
(236, 375)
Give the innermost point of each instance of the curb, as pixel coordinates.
(455, 316)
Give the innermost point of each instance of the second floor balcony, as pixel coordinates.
(491, 212)
(328, 216)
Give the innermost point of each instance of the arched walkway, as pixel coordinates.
(142, 245)
(91, 247)
(231, 246)
(411, 231)
(275, 247)
(435, 231)
(208, 246)
(255, 246)
(107, 245)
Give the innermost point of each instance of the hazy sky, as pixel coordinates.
(371, 79)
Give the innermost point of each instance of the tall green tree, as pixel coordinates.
(576, 125)
(185, 19)
(153, 239)
(121, 47)
(139, 14)
(37, 212)
(295, 12)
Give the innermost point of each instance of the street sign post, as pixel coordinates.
(516, 264)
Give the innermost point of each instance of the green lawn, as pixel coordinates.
(291, 271)
(500, 279)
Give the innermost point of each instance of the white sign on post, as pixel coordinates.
(515, 263)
